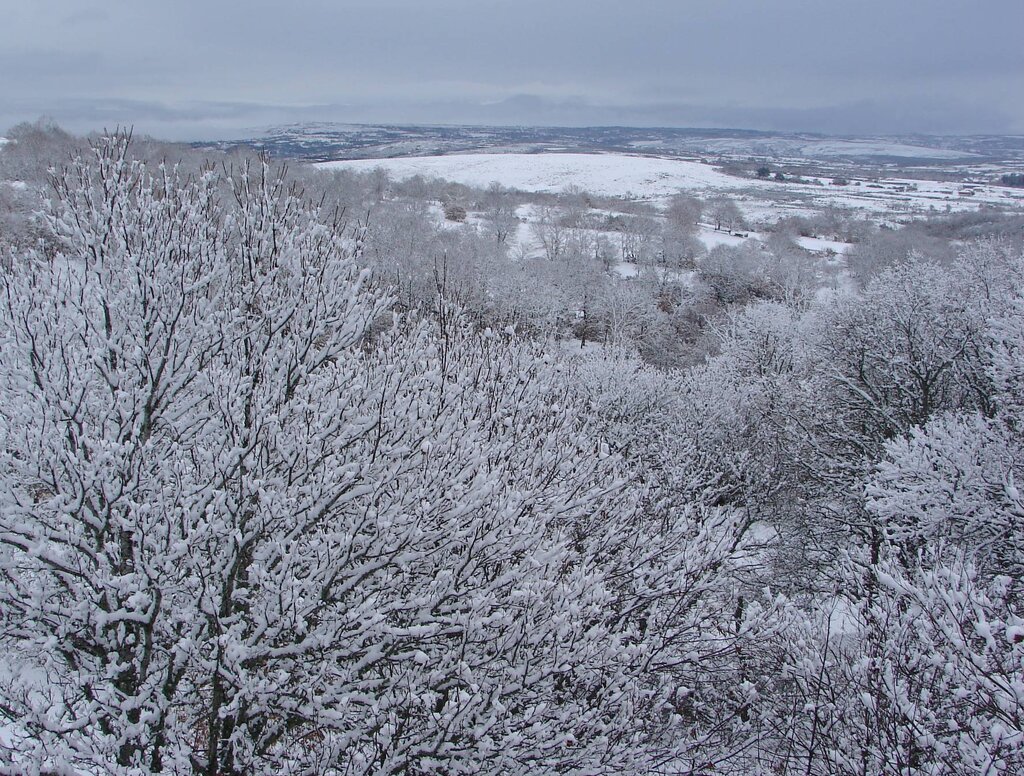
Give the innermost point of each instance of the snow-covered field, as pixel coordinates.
(889, 200)
(818, 245)
(604, 174)
(655, 178)
(712, 238)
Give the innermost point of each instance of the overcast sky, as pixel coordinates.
(211, 68)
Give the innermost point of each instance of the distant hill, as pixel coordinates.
(326, 142)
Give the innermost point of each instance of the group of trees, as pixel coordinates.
(286, 488)
(547, 264)
(872, 442)
(253, 522)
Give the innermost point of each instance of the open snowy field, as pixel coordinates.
(653, 178)
(603, 174)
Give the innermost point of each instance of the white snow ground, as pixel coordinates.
(603, 174)
(656, 178)
(818, 245)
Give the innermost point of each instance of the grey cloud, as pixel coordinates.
(86, 16)
(940, 66)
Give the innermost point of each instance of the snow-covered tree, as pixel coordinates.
(500, 214)
(907, 668)
(245, 531)
(924, 671)
(723, 211)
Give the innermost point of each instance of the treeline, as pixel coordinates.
(552, 264)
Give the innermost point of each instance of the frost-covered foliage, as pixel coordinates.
(950, 574)
(246, 530)
(933, 653)
(871, 443)
(903, 671)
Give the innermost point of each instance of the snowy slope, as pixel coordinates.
(606, 174)
(656, 178)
